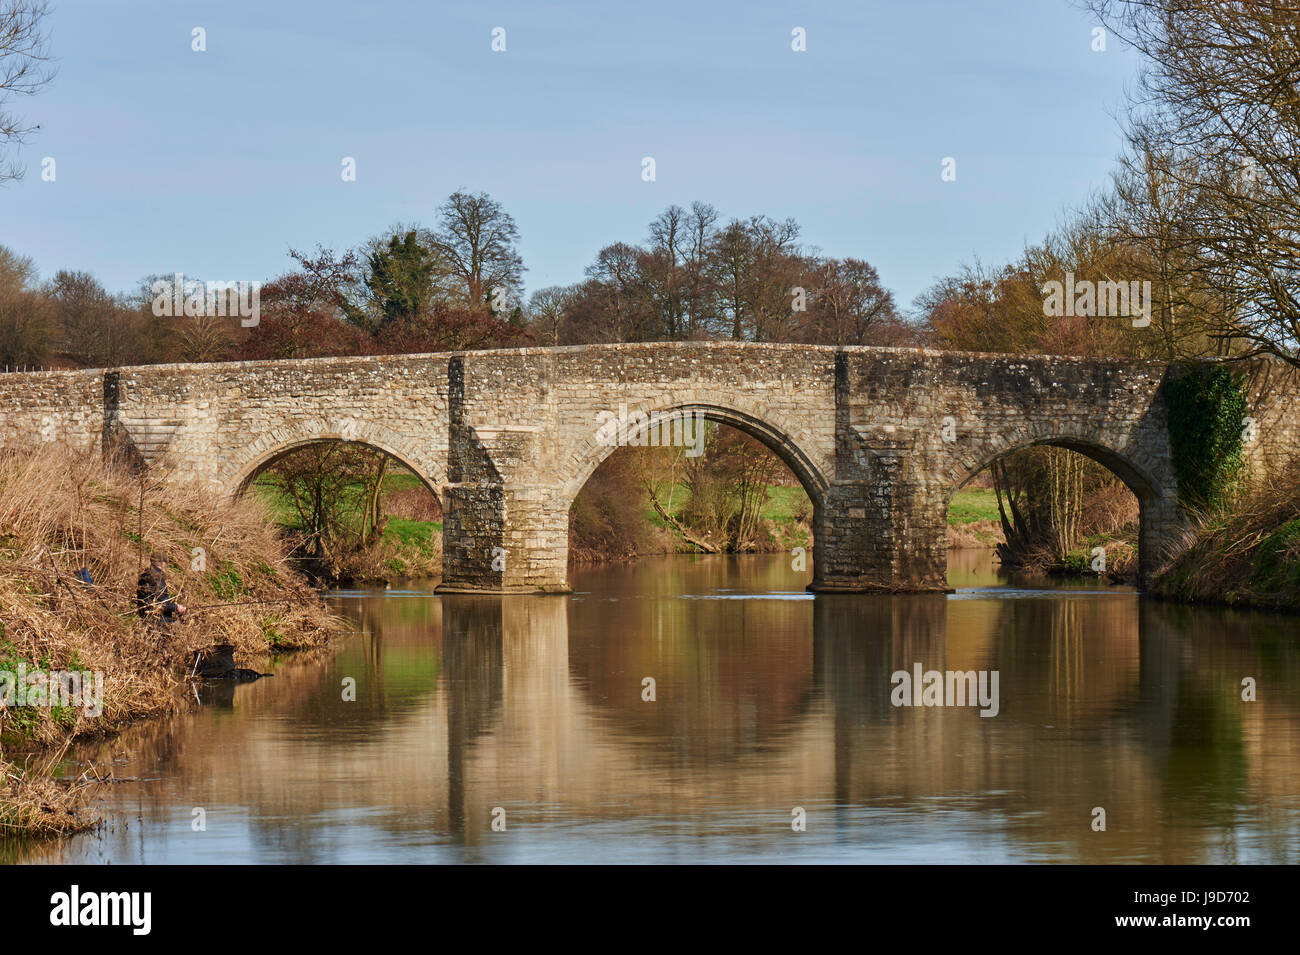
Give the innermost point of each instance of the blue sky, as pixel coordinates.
(214, 163)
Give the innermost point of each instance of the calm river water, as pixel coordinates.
(770, 706)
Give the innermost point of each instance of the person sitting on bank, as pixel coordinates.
(151, 596)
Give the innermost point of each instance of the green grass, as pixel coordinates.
(226, 583)
(23, 721)
(280, 503)
(782, 505)
(401, 481)
(418, 534)
(785, 503)
(417, 540)
(286, 514)
(968, 505)
(271, 632)
(972, 504)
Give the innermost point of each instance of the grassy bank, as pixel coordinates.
(785, 519)
(61, 511)
(973, 519)
(1247, 554)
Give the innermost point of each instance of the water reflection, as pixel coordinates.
(766, 699)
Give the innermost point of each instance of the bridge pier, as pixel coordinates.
(1163, 533)
(504, 539)
(880, 537)
(505, 527)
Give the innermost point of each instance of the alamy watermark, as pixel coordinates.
(1101, 299)
(637, 429)
(946, 688)
(213, 299)
(77, 689)
(130, 909)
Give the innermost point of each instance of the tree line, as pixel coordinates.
(696, 277)
(458, 285)
(1204, 205)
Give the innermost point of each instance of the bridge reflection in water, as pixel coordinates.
(766, 699)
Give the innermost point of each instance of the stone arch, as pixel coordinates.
(769, 429)
(274, 444)
(1149, 476)
(1138, 476)
(786, 443)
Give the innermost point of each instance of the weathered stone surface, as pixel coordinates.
(508, 438)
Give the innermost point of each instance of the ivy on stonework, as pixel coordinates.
(1206, 408)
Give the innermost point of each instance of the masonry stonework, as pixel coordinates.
(880, 438)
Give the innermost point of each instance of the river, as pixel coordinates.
(520, 729)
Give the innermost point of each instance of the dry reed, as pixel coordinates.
(62, 510)
(1246, 552)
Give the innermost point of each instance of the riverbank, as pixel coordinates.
(1246, 554)
(75, 660)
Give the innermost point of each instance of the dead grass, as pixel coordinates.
(1246, 553)
(62, 510)
(34, 802)
(413, 503)
(389, 560)
(975, 535)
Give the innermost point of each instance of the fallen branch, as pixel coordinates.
(706, 546)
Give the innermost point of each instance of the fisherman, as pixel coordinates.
(151, 596)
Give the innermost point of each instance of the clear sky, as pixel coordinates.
(214, 163)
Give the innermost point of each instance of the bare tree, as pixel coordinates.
(1216, 120)
(754, 264)
(326, 282)
(733, 262)
(96, 329)
(660, 266)
(776, 264)
(849, 305)
(478, 239)
(24, 69)
(617, 276)
(26, 325)
(549, 308)
(699, 294)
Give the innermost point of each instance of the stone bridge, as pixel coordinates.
(879, 437)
